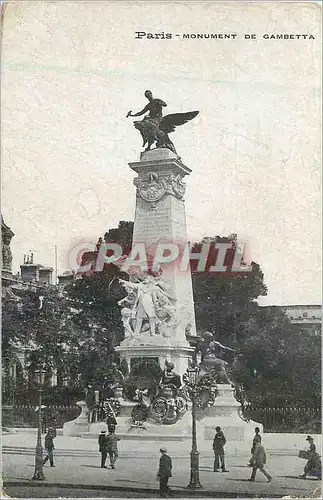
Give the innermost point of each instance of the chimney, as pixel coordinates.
(46, 275)
(29, 272)
(65, 278)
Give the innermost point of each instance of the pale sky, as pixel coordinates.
(72, 70)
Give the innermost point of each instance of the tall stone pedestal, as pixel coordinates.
(160, 218)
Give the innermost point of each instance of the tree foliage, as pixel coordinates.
(96, 296)
(224, 301)
(77, 329)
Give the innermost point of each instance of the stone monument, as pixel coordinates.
(159, 307)
(158, 310)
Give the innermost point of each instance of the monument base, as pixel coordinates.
(156, 348)
(177, 437)
(80, 425)
(225, 414)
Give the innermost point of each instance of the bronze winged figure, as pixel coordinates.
(154, 128)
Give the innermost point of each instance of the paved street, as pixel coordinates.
(54, 492)
(137, 474)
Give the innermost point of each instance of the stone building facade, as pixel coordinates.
(32, 277)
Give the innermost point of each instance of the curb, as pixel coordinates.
(21, 450)
(180, 491)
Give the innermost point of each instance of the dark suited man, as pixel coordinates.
(255, 441)
(164, 473)
(103, 448)
(49, 447)
(218, 448)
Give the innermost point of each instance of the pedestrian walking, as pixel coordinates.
(49, 447)
(258, 462)
(314, 464)
(218, 448)
(164, 473)
(112, 447)
(255, 441)
(103, 448)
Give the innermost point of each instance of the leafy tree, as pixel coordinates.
(283, 364)
(96, 296)
(224, 301)
(41, 323)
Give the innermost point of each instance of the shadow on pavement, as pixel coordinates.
(288, 488)
(245, 480)
(300, 478)
(93, 466)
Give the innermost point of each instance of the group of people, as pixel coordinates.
(108, 445)
(258, 456)
(257, 460)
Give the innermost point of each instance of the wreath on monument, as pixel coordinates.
(181, 403)
(111, 408)
(139, 413)
(206, 392)
(164, 411)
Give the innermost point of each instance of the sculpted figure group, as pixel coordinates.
(148, 307)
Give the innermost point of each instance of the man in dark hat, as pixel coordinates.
(49, 446)
(164, 473)
(218, 448)
(314, 464)
(103, 448)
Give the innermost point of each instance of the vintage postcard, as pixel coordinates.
(161, 303)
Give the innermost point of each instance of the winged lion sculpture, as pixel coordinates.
(154, 128)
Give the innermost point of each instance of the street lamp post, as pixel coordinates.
(38, 474)
(193, 375)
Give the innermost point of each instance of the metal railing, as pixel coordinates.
(291, 419)
(285, 419)
(26, 416)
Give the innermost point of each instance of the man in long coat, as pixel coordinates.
(103, 448)
(255, 441)
(164, 473)
(49, 447)
(258, 462)
(218, 448)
